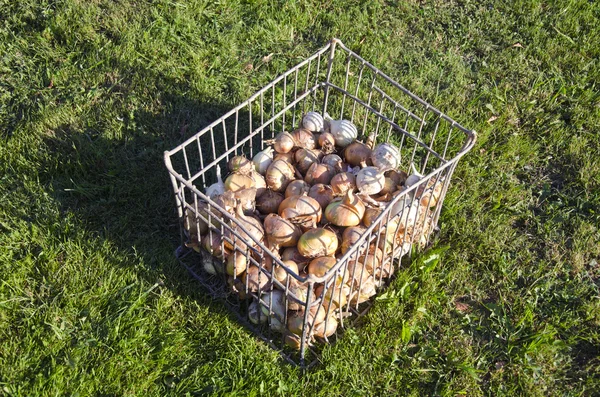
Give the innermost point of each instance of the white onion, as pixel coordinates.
(275, 299)
(343, 131)
(262, 160)
(386, 156)
(370, 180)
(216, 188)
(312, 121)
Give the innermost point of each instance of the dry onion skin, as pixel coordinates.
(240, 164)
(356, 153)
(304, 158)
(269, 202)
(343, 182)
(284, 142)
(303, 138)
(346, 211)
(322, 193)
(318, 242)
(281, 232)
(297, 188)
(327, 142)
(319, 173)
(279, 174)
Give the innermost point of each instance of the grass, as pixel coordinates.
(92, 301)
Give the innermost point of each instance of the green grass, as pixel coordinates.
(92, 301)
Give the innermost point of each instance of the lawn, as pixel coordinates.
(92, 300)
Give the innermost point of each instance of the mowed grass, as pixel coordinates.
(92, 301)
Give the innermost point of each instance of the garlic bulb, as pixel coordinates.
(343, 131)
(216, 188)
(312, 121)
(370, 180)
(262, 160)
(385, 156)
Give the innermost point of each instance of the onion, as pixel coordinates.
(399, 177)
(279, 174)
(356, 153)
(237, 181)
(327, 327)
(336, 294)
(298, 295)
(236, 285)
(343, 182)
(389, 186)
(212, 244)
(350, 236)
(292, 341)
(316, 315)
(226, 201)
(262, 160)
(281, 274)
(370, 214)
(318, 267)
(343, 131)
(386, 156)
(302, 210)
(269, 202)
(318, 242)
(194, 224)
(292, 254)
(236, 263)
(297, 188)
(370, 180)
(284, 142)
(346, 211)
(333, 160)
(239, 236)
(247, 198)
(322, 193)
(216, 188)
(287, 157)
(303, 138)
(305, 158)
(327, 142)
(313, 121)
(367, 290)
(281, 232)
(256, 279)
(259, 182)
(240, 164)
(255, 315)
(275, 300)
(319, 173)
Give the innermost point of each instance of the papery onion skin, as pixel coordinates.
(370, 180)
(262, 160)
(239, 236)
(269, 202)
(281, 232)
(333, 160)
(319, 173)
(327, 142)
(356, 153)
(344, 132)
(292, 254)
(343, 182)
(304, 158)
(300, 205)
(346, 211)
(237, 181)
(279, 174)
(386, 156)
(318, 242)
(322, 193)
(303, 138)
(287, 157)
(350, 236)
(313, 121)
(284, 142)
(399, 177)
(239, 164)
(297, 188)
(318, 267)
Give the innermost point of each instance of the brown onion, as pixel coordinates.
(284, 143)
(280, 274)
(346, 211)
(240, 237)
(212, 243)
(279, 174)
(281, 232)
(398, 177)
(304, 138)
(259, 182)
(327, 142)
(370, 214)
(287, 157)
(292, 254)
(236, 264)
(350, 236)
(322, 193)
(318, 267)
(304, 158)
(297, 188)
(237, 181)
(333, 160)
(357, 152)
(319, 173)
(256, 279)
(343, 182)
(247, 198)
(298, 295)
(269, 202)
(302, 210)
(318, 242)
(240, 164)
(389, 186)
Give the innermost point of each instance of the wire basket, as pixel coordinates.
(337, 82)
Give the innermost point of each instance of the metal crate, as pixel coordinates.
(338, 82)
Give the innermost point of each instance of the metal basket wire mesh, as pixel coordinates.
(338, 82)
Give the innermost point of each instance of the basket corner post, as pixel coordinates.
(333, 42)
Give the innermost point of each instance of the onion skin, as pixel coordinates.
(304, 158)
(280, 274)
(279, 174)
(318, 242)
(346, 211)
(370, 214)
(327, 142)
(297, 188)
(284, 143)
(333, 160)
(343, 182)
(322, 193)
(303, 138)
(292, 254)
(398, 177)
(241, 238)
(240, 164)
(269, 202)
(350, 236)
(304, 206)
(287, 157)
(356, 153)
(319, 173)
(281, 232)
(318, 267)
(237, 181)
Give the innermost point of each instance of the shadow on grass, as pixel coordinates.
(120, 191)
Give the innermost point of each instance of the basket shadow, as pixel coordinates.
(118, 189)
